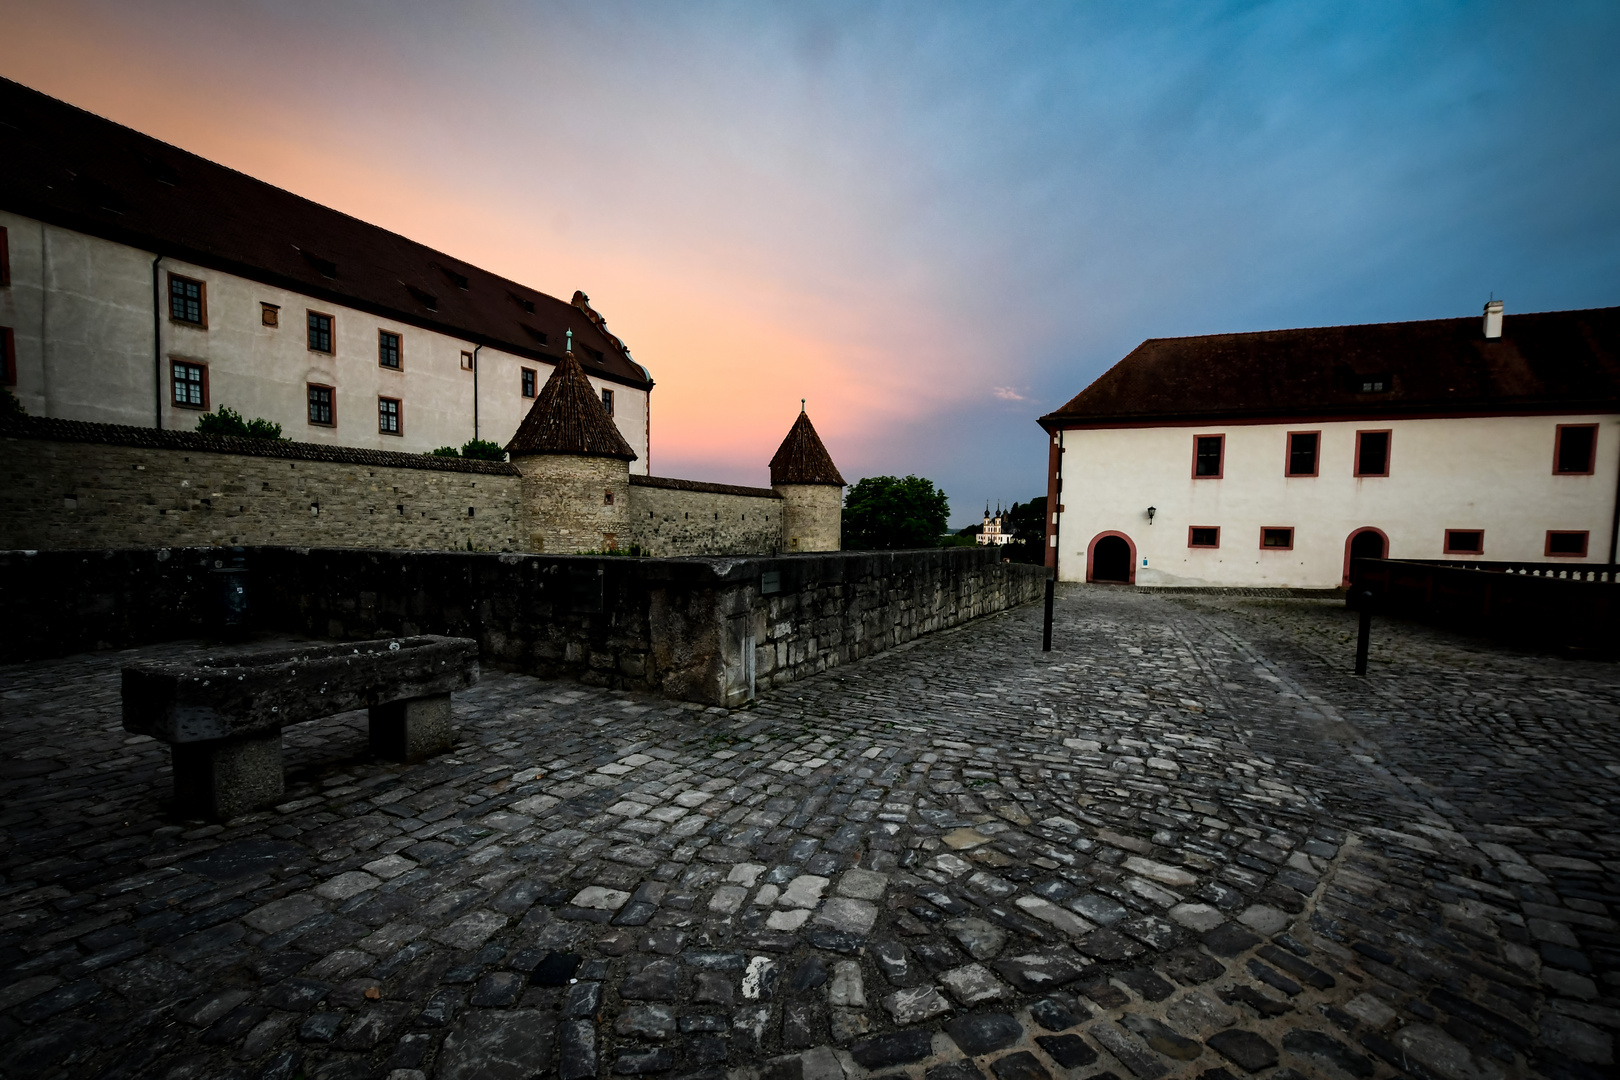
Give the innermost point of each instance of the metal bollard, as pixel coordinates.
(1046, 633)
(1364, 633)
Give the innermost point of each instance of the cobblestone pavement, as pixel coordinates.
(1184, 843)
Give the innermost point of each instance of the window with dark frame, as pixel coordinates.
(1276, 538)
(1302, 450)
(1576, 449)
(1372, 453)
(320, 332)
(1207, 455)
(190, 383)
(321, 405)
(528, 382)
(1567, 544)
(466, 361)
(607, 400)
(388, 416)
(1465, 541)
(1204, 536)
(388, 349)
(186, 301)
(1373, 384)
(8, 357)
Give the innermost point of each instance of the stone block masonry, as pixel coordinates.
(679, 517)
(74, 485)
(713, 630)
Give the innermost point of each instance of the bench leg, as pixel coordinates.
(411, 730)
(223, 778)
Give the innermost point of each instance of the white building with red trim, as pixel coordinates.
(1270, 459)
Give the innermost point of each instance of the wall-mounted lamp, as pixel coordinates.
(1151, 511)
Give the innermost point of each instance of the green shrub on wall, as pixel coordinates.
(9, 405)
(483, 450)
(227, 421)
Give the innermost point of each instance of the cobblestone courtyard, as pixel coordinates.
(1184, 843)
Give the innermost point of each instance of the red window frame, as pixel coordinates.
(382, 350)
(1288, 455)
(398, 416)
(1389, 449)
(311, 329)
(331, 402)
(1450, 550)
(201, 322)
(1558, 451)
(1220, 471)
(174, 385)
(1289, 529)
(1586, 540)
(8, 357)
(1198, 528)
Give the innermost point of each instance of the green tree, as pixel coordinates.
(1027, 522)
(888, 512)
(483, 450)
(445, 451)
(227, 421)
(10, 406)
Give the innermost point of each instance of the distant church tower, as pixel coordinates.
(575, 466)
(812, 491)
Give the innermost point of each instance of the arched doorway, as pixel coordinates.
(1111, 559)
(1366, 543)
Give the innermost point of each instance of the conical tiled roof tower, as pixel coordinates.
(802, 459)
(812, 490)
(575, 467)
(568, 418)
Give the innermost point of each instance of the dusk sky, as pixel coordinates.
(935, 221)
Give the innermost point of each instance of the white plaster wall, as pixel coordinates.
(84, 352)
(1490, 473)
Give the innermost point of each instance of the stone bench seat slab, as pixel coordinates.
(235, 695)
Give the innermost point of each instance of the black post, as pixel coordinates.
(1046, 634)
(1364, 634)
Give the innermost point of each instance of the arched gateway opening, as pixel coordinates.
(1110, 560)
(1368, 543)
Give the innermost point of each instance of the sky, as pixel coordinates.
(934, 221)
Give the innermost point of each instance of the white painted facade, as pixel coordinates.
(81, 312)
(1490, 473)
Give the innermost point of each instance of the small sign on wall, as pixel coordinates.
(770, 582)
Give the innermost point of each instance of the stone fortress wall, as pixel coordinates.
(66, 484)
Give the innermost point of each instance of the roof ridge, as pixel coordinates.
(1353, 326)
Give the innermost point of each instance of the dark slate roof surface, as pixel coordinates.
(802, 459)
(74, 169)
(52, 429)
(1552, 361)
(567, 417)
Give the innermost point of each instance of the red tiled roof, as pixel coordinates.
(801, 459)
(1549, 362)
(71, 168)
(568, 418)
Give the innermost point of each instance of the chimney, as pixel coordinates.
(1493, 320)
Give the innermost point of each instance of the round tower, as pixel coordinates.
(575, 467)
(812, 491)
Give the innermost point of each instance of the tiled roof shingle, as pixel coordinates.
(568, 418)
(802, 459)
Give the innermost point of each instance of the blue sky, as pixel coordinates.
(935, 220)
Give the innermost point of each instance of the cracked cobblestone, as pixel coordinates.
(1185, 843)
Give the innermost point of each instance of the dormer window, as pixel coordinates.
(421, 296)
(325, 267)
(1374, 384)
(458, 280)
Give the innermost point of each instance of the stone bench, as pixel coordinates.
(222, 716)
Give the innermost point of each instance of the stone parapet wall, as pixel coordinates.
(715, 630)
(69, 494)
(682, 517)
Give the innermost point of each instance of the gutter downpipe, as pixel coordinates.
(1614, 526)
(476, 350)
(157, 348)
(1057, 521)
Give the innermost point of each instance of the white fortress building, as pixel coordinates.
(142, 285)
(1271, 459)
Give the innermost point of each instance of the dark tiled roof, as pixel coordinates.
(568, 418)
(699, 485)
(50, 429)
(801, 459)
(74, 169)
(1553, 361)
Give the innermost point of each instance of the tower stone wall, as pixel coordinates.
(573, 504)
(812, 517)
